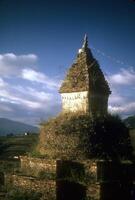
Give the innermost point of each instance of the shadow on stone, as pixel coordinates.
(69, 169)
(69, 174)
(66, 190)
(2, 181)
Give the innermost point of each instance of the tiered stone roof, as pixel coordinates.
(85, 74)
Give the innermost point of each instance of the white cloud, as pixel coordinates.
(21, 66)
(19, 97)
(121, 103)
(24, 96)
(122, 100)
(5, 108)
(11, 64)
(9, 96)
(30, 98)
(27, 104)
(116, 98)
(35, 94)
(2, 83)
(124, 77)
(125, 109)
(34, 76)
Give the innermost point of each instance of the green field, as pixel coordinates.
(13, 146)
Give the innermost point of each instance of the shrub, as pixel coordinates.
(23, 195)
(46, 175)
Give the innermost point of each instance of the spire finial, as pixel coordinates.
(85, 42)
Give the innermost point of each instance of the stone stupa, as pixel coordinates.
(79, 148)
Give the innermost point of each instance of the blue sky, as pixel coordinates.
(39, 40)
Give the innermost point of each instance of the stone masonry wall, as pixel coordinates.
(45, 187)
(33, 166)
(93, 187)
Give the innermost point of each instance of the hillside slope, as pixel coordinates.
(13, 127)
(130, 122)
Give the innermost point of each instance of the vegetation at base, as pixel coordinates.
(36, 154)
(81, 136)
(23, 195)
(46, 175)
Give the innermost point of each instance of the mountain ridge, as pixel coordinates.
(130, 122)
(8, 126)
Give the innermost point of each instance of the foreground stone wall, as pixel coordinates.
(81, 174)
(46, 187)
(33, 166)
(89, 177)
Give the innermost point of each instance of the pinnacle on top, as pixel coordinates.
(85, 74)
(85, 42)
(85, 45)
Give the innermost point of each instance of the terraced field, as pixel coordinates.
(11, 147)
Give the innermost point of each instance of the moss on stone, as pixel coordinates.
(78, 136)
(85, 75)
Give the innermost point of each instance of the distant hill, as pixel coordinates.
(130, 122)
(8, 126)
